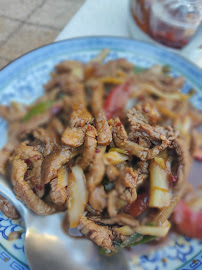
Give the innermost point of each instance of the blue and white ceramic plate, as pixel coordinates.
(22, 81)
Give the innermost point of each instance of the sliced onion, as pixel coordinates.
(159, 231)
(126, 230)
(153, 90)
(62, 176)
(160, 195)
(78, 196)
(114, 158)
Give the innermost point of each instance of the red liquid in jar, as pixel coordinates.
(154, 20)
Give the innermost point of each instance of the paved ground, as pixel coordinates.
(28, 24)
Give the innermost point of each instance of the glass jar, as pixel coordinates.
(169, 22)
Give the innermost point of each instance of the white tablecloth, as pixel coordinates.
(98, 17)
(110, 18)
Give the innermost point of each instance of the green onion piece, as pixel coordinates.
(105, 251)
(166, 69)
(145, 239)
(127, 243)
(192, 92)
(151, 224)
(107, 184)
(134, 240)
(138, 69)
(38, 109)
(119, 150)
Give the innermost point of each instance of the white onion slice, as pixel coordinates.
(78, 196)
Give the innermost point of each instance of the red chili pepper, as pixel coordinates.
(173, 179)
(138, 206)
(188, 222)
(28, 162)
(198, 155)
(116, 99)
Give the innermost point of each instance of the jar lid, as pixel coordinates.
(181, 13)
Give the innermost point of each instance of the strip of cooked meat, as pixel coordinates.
(117, 235)
(98, 198)
(52, 163)
(113, 203)
(39, 119)
(48, 137)
(121, 140)
(141, 126)
(56, 125)
(112, 173)
(71, 67)
(74, 137)
(104, 133)
(102, 236)
(24, 192)
(184, 156)
(33, 158)
(126, 185)
(166, 84)
(120, 219)
(89, 147)
(12, 113)
(143, 171)
(112, 67)
(75, 89)
(5, 153)
(58, 194)
(80, 116)
(8, 209)
(96, 169)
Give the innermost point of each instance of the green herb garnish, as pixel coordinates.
(166, 69)
(133, 240)
(138, 69)
(119, 150)
(145, 239)
(107, 184)
(38, 109)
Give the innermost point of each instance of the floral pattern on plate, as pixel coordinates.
(22, 81)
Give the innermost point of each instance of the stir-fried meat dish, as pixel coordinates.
(108, 142)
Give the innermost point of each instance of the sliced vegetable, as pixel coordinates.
(166, 69)
(138, 206)
(112, 80)
(100, 57)
(154, 91)
(145, 239)
(107, 184)
(38, 109)
(62, 176)
(126, 230)
(119, 150)
(138, 69)
(198, 155)
(160, 195)
(114, 158)
(159, 231)
(133, 240)
(78, 196)
(188, 221)
(117, 99)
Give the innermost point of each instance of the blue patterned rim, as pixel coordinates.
(22, 80)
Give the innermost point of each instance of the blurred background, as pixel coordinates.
(28, 24)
